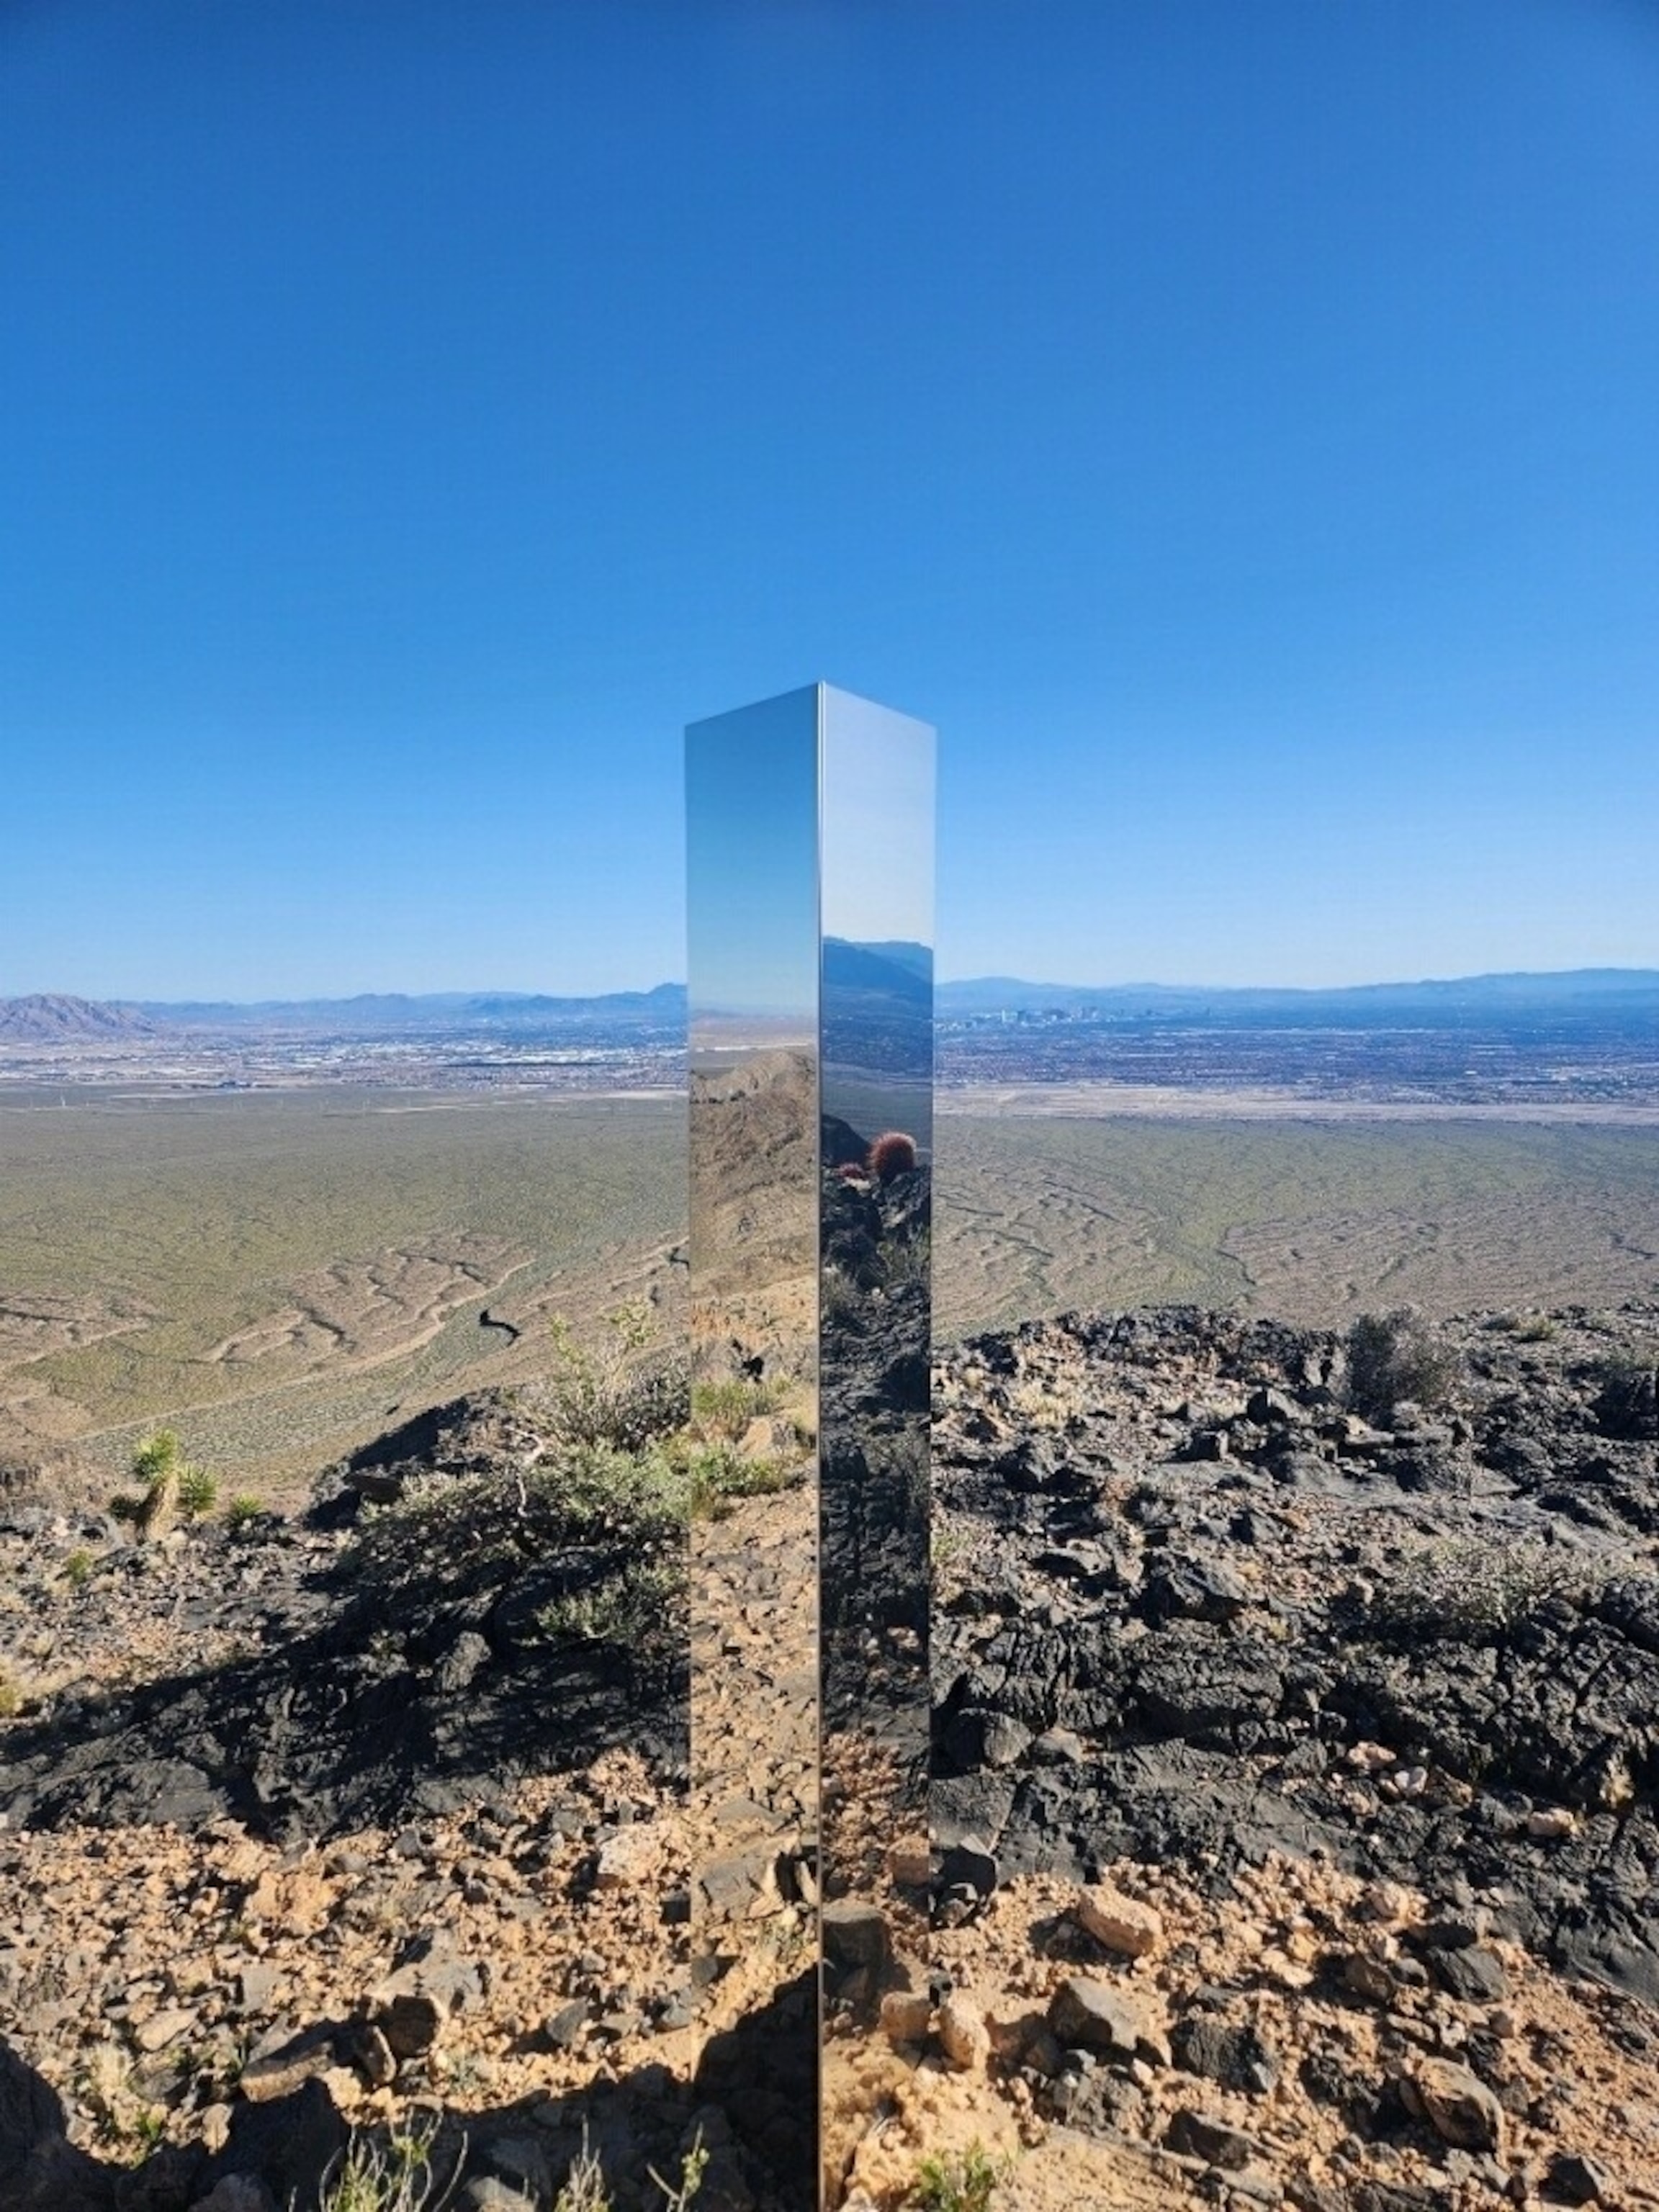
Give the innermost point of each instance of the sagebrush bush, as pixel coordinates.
(1396, 1357)
(1627, 1394)
(609, 1395)
(725, 1408)
(1473, 1589)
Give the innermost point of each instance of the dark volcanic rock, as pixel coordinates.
(40, 2171)
(873, 1490)
(1232, 2054)
(1216, 1631)
(419, 1677)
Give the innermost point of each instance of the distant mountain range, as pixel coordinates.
(380, 1011)
(1488, 998)
(892, 971)
(894, 974)
(53, 1016)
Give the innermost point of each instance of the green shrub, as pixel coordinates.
(842, 1303)
(724, 1409)
(608, 1395)
(908, 1261)
(1471, 1590)
(677, 2196)
(1395, 1357)
(1626, 1395)
(155, 1458)
(960, 2181)
(198, 1493)
(395, 2176)
(242, 1512)
(719, 1475)
(618, 1518)
(77, 1568)
(583, 2189)
(947, 1549)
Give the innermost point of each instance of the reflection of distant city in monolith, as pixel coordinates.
(811, 929)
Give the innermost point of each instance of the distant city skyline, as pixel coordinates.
(1231, 429)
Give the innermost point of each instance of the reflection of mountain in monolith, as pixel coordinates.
(753, 1234)
(878, 1013)
(754, 1703)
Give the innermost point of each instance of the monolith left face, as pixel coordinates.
(809, 929)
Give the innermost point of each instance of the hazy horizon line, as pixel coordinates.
(343, 997)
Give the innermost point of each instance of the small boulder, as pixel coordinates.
(1120, 1924)
(906, 2015)
(1575, 2179)
(1203, 2135)
(1233, 2054)
(854, 1934)
(1087, 2015)
(1455, 2103)
(963, 2035)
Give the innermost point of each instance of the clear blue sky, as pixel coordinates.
(1235, 426)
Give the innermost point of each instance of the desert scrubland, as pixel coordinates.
(277, 1275)
(1293, 1763)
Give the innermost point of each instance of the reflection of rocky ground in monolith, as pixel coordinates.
(874, 1560)
(754, 1704)
(754, 1231)
(754, 1675)
(873, 1469)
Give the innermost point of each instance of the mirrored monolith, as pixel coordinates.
(876, 1043)
(810, 989)
(752, 942)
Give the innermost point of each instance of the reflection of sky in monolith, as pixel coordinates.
(876, 892)
(752, 855)
(878, 823)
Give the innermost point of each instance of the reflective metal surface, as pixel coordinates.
(876, 1031)
(811, 1001)
(752, 820)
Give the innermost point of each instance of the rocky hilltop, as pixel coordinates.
(54, 1017)
(1294, 1761)
(1352, 1695)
